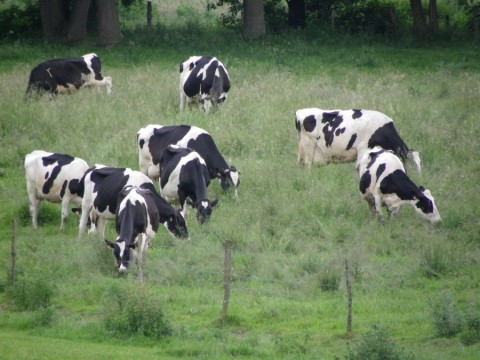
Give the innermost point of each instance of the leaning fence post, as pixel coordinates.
(227, 278)
(349, 296)
(14, 252)
(149, 15)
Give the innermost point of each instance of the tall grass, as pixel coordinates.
(291, 227)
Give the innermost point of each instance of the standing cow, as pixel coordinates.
(152, 141)
(102, 186)
(136, 222)
(203, 79)
(333, 136)
(55, 178)
(383, 181)
(184, 177)
(68, 75)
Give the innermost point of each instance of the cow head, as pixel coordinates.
(425, 206)
(121, 251)
(229, 177)
(176, 225)
(203, 209)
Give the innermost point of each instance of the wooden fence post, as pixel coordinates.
(14, 253)
(227, 278)
(149, 15)
(349, 296)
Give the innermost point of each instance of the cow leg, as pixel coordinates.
(34, 205)
(83, 219)
(101, 225)
(65, 203)
(183, 98)
(142, 238)
(378, 207)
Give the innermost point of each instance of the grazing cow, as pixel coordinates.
(383, 181)
(152, 141)
(102, 186)
(184, 177)
(203, 79)
(55, 178)
(136, 222)
(68, 75)
(333, 136)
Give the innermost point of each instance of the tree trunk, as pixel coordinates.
(253, 26)
(433, 16)
(419, 25)
(77, 30)
(297, 15)
(53, 14)
(108, 23)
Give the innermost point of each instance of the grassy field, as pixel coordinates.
(292, 228)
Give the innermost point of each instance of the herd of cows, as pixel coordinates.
(184, 159)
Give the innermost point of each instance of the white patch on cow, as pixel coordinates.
(203, 70)
(170, 190)
(37, 175)
(90, 78)
(204, 204)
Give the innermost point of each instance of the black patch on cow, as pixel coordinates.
(388, 138)
(357, 113)
(108, 182)
(425, 204)
(365, 181)
(64, 187)
(332, 122)
(180, 68)
(141, 143)
(309, 123)
(373, 157)
(196, 84)
(163, 137)
(351, 141)
(76, 186)
(400, 184)
(61, 160)
(96, 67)
(380, 170)
(339, 131)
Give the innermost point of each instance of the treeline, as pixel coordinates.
(72, 21)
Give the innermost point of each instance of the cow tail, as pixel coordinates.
(414, 156)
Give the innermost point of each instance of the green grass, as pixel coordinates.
(291, 227)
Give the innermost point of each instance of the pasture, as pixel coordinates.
(292, 228)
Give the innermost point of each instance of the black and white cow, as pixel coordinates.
(68, 75)
(153, 139)
(203, 79)
(101, 188)
(334, 136)
(383, 181)
(55, 178)
(136, 222)
(184, 178)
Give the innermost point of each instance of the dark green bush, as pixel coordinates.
(446, 318)
(18, 20)
(131, 314)
(32, 293)
(377, 344)
(471, 333)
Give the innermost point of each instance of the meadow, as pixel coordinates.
(292, 228)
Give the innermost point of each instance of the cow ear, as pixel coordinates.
(214, 203)
(110, 244)
(422, 189)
